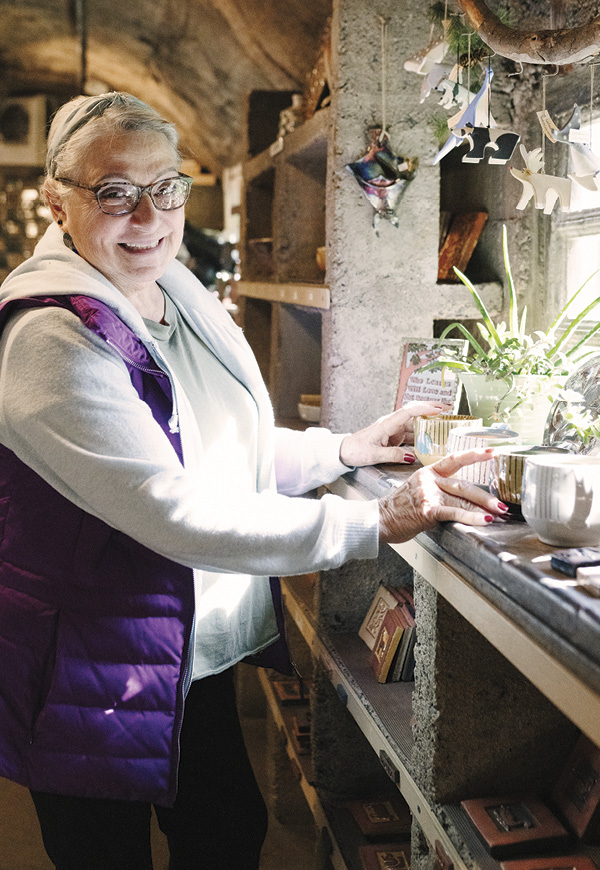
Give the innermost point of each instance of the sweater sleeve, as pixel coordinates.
(306, 460)
(69, 411)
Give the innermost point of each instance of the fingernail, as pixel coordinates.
(488, 518)
(408, 457)
(502, 507)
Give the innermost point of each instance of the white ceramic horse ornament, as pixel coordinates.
(545, 190)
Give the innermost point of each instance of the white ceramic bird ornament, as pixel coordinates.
(545, 190)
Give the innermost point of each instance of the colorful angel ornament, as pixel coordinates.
(383, 176)
(545, 190)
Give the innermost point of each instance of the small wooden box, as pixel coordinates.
(576, 793)
(515, 824)
(385, 856)
(382, 819)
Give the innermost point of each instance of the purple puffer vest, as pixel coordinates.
(94, 628)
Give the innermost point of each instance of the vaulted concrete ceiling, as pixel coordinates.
(194, 60)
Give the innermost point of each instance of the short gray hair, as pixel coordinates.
(78, 123)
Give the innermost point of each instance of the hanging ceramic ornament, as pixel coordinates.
(383, 176)
(586, 164)
(491, 142)
(476, 114)
(423, 61)
(545, 190)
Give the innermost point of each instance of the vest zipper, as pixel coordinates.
(174, 419)
(132, 362)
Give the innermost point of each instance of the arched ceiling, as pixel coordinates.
(194, 60)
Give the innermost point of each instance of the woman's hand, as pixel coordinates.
(382, 440)
(431, 496)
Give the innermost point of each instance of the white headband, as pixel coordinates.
(92, 107)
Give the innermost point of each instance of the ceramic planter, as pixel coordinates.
(493, 400)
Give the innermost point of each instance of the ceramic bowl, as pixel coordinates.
(472, 437)
(561, 499)
(431, 434)
(309, 413)
(506, 472)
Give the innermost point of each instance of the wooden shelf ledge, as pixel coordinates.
(309, 295)
(307, 142)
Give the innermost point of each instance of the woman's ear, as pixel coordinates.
(55, 204)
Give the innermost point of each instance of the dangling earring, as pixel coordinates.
(68, 241)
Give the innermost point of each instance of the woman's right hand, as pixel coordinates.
(431, 495)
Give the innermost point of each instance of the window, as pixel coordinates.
(579, 234)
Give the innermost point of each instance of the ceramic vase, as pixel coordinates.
(492, 399)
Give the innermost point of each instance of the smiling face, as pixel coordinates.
(131, 250)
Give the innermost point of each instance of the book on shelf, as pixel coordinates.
(386, 646)
(385, 856)
(383, 601)
(385, 598)
(401, 663)
(515, 825)
(384, 819)
(576, 792)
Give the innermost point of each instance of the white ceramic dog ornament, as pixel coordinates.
(545, 190)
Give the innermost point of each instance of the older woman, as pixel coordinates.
(145, 504)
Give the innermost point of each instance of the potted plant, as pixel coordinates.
(510, 375)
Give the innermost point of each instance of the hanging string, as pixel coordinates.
(469, 69)
(384, 28)
(489, 93)
(544, 114)
(591, 102)
(445, 26)
(81, 18)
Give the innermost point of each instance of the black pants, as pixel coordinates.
(219, 817)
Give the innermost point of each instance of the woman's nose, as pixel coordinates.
(145, 211)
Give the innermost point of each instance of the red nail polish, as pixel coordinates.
(502, 506)
(488, 518)
(408, 457)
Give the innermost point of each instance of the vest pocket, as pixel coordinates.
(46, 681)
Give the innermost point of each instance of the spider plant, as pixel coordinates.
(506, 350)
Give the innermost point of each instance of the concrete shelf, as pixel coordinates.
(303, 766)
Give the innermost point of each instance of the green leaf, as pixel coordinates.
(574, 323)
(583, 340)
(513, 315)
(470, 338)
(562, 313)
(480, 304)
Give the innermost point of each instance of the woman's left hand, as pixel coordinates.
(382, 440)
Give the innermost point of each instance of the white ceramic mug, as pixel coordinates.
(561, 499)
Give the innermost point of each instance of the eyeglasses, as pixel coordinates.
(121, 197)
